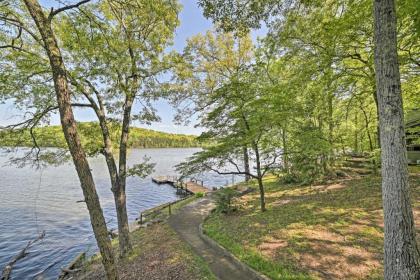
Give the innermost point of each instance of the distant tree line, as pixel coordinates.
(52, 136)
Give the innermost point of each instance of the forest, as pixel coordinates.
(327, 99)
(52, 136)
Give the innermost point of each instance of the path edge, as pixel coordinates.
(238, 263)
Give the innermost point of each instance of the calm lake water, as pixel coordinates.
(35, 200)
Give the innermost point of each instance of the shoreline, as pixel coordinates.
(77, 262)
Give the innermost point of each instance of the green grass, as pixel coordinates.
(310, 232)
(161, 212)
(177, 206)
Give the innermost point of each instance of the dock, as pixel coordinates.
(165, 180)
(190, 187)
(194, 187)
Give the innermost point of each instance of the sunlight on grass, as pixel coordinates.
(310, 232)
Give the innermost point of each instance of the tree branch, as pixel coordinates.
(268, 166)
(229, 173)
(9, 266)
(65, 8)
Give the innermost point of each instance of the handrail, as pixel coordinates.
(161, 207)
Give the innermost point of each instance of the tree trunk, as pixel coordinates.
(262, 195)
(117, 190)
(246, 164)
(331, 157)
(356, 134)
(122, 217)
(401, 253)
(378, 128)
(259, 175)
(73, 141)
(371, 146)
(285, 157)
(120, 196)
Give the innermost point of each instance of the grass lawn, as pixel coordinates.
(331, 231)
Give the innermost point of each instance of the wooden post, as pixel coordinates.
(141, 218)
(170, 212)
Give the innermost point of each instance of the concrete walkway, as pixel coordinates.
(186, 223)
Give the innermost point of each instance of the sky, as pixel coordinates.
(192, 22)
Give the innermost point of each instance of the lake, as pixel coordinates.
(35, 200)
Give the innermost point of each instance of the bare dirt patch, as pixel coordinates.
(271, 245)
(322, 252)
(158, 253)
(335, 186)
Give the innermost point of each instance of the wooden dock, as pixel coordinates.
(194, 187)
(190, 187)
(165, 180)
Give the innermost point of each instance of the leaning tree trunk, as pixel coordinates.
(73, 141)
(401, 253)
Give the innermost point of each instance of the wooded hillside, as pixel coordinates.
(52, 136)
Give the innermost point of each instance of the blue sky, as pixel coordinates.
(192, 23)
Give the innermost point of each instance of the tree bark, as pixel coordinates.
(73, 141)
(99, 108)
(118, 189)
(259, 177)
(246, 164)
(401, 253)
(378, 126)
(285, 157)
(331, 157)
(120, 195)
(356, 134)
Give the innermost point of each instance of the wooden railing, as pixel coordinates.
(159, 208)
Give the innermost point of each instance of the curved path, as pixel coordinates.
(186, 223)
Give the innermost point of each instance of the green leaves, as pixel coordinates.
(224, 199)
(142, 169)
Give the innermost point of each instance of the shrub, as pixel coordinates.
(199, 194)
(224, 200)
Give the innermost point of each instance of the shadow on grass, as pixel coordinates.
(330, 231)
